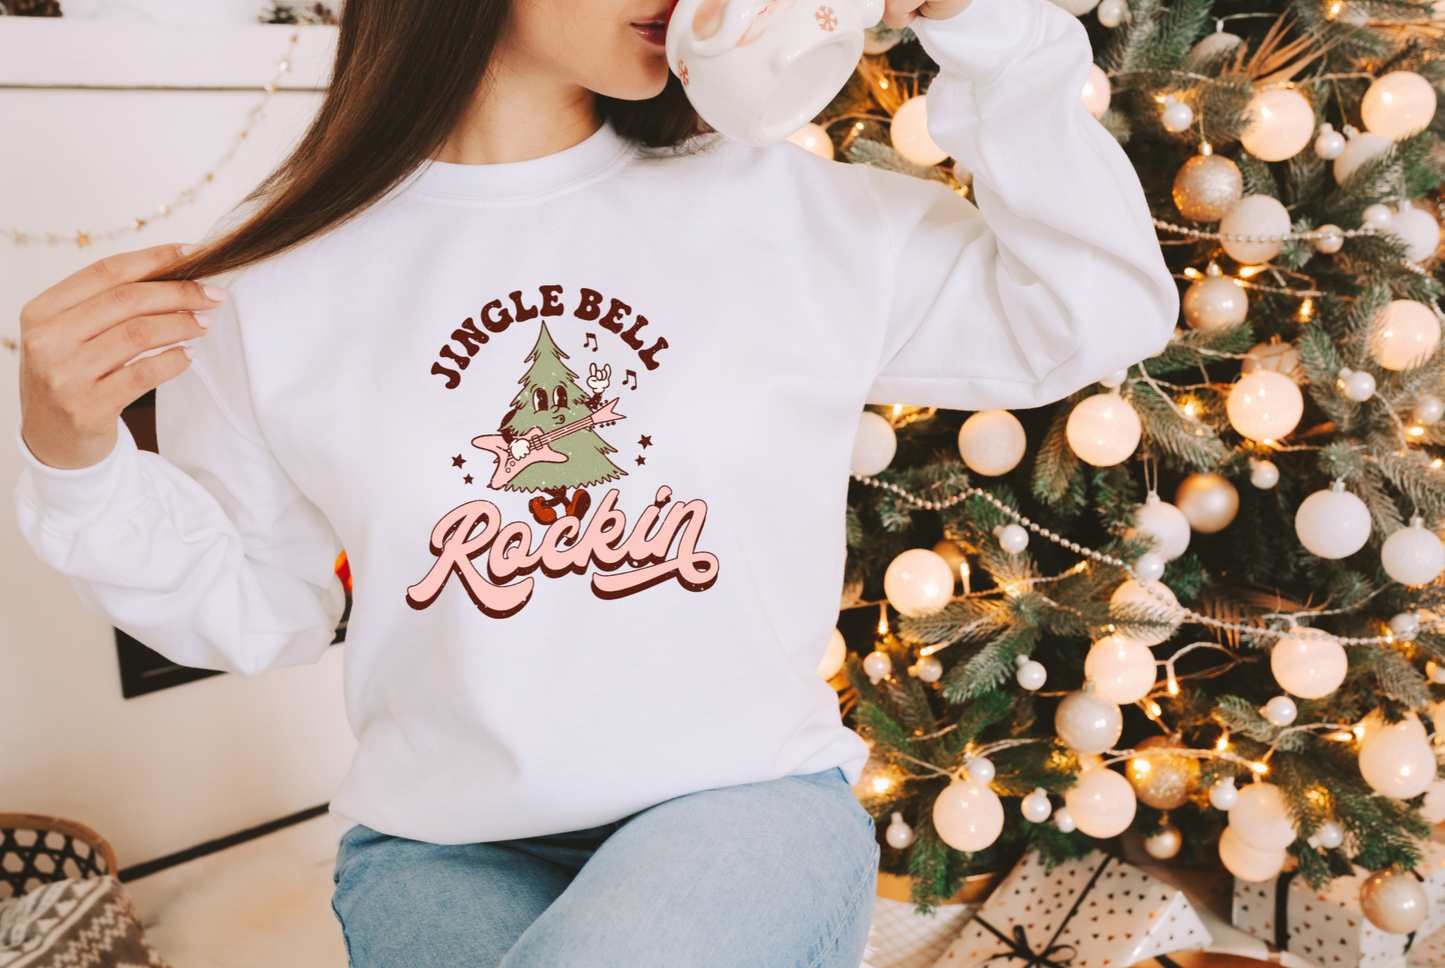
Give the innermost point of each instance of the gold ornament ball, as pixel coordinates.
(950, 552)
(1164, 781)
(1394, 901)
(1215, 301)
(1207, 187)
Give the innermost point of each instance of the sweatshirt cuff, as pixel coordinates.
(980, 41)
(77, 494)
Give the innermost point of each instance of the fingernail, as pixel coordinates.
(188, 248)
(190, 352)
(202, 320)
(214, 294)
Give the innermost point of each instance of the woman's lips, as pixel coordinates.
(654, 31)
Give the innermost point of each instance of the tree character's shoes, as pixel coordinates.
(579, 504)
(541, 510)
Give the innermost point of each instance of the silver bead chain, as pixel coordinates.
(1058, 539)
(1286, 237)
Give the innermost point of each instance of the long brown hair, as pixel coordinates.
(405, 72)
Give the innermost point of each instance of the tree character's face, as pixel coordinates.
(554, 405)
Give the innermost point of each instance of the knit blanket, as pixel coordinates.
(74, 923)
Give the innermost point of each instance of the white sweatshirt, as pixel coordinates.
(508, 678)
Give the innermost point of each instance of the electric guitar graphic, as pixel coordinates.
(509, 467)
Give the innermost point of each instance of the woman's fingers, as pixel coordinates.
(898, 14)
(97, 277)
(134, 299)
(117, 346)
(120, 388)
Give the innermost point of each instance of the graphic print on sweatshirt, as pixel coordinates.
(550, 455)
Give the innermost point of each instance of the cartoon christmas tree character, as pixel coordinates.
(547, 442)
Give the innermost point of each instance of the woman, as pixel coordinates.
(590, 731)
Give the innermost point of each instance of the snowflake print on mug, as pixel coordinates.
(682, 71)
(826, 18)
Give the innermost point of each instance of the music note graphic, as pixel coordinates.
(591, 338)
(630, 373)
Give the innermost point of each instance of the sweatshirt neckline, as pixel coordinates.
(598, 153)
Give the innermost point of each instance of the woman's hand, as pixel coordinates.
(76, 339)
(900, 13)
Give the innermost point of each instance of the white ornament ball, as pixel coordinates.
(1332, 523)
(1405, 335)
(1331, 239)
(1394, 901)
(1122, 671)
(1149, 566)
(918, 582)
(1397, 760)
(1165, 523)
(1211, 48)
(1036, 807)
(1280, 711)
(1103, 430)
(1419, 231)
(1330, 144)
(1157, 602)
(1398, 105)
(1064, 821)
(878, 666)
(1276, 355)
(1429, 409)
(1358, 150)
(1308, 663)
(1413, 555)
(1165, 844)
(898, 834)
(1264, 405)
(1263, 474)
(979, 770)
(968, 816)
(1102, 803)
(1283, 123)
(1433, 809)
(1012, 538)
(909, 133)
(1224, 795)
(1330, 835)
(1111, 13)
(1435, 673)
(1209, 502)
(1215, 301)
(1249, 863)
(1356, 385)
(833, 658)
(1096, 91)
(1088, 723)
(1031, 675)
(1178, 116)
(1261, 817)
(1260, 218)
(927, 669)
(992, 442)
(813, 138)
(1377, 217)
(873, 446)
(1115, 380)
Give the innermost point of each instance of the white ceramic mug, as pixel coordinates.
(758, 70)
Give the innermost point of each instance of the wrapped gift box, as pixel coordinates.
(1095, 912)
(1327, 928)
(903, 938)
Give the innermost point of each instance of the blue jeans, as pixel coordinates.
(778, 874)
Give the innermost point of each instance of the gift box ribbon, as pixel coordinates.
(1052, 955)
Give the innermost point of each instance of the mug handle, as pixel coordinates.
(872, 12)
(737, 17)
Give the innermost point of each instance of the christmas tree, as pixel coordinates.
(550, 399)
(1200, 599)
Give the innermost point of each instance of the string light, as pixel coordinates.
(187, 196)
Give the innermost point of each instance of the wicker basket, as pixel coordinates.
(36, 850)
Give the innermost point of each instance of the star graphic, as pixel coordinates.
(458, 460)
(467, 479)
(646, 442)
(641, 461)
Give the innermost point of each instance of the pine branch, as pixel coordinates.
(866, 152)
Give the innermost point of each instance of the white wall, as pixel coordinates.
(174, 768)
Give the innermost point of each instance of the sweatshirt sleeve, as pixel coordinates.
(209, 554)
(1055, 279)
